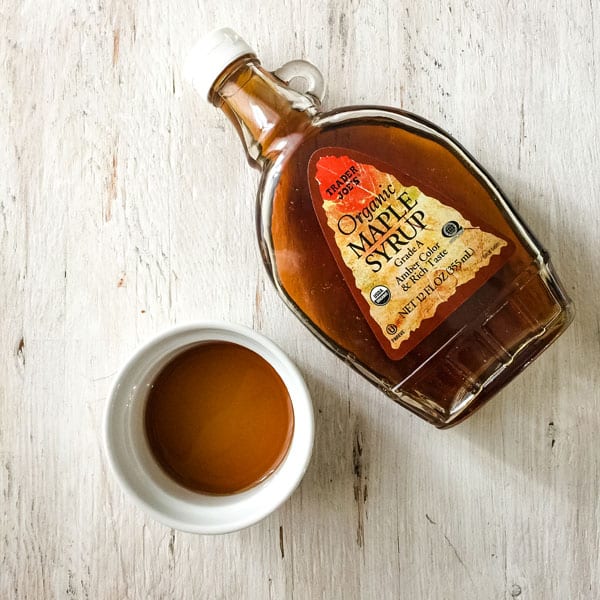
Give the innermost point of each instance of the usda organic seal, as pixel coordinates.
(380, 295)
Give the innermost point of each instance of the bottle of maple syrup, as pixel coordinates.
(386, 238)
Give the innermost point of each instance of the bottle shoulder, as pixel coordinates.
(370, 127)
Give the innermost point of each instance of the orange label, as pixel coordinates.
(408, 259)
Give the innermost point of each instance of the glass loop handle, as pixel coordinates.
(302, 69)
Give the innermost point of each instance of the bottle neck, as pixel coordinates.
(267, 114)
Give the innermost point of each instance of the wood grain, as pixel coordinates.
(119, 189)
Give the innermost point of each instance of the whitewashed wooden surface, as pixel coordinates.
(118, 192)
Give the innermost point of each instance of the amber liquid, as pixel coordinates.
(480, 346)
(489, 338)
(219, 418)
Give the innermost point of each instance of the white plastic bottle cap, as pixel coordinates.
(210, 57)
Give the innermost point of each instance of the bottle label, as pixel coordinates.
(408, 259)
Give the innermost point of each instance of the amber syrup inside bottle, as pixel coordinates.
(391, 243)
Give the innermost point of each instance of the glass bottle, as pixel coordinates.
(386, 238)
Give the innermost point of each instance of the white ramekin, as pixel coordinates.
(137, 471)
